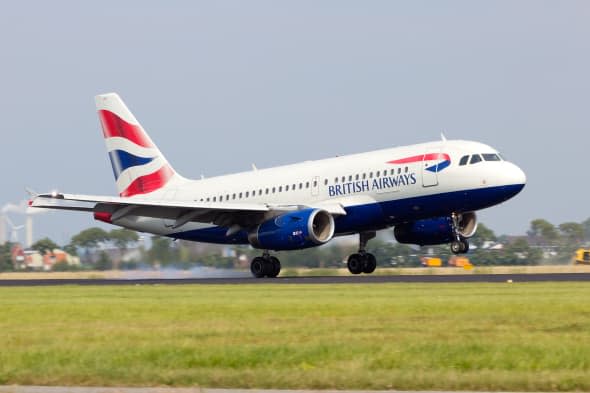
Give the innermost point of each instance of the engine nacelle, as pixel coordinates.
(434, 231)
(294, 230)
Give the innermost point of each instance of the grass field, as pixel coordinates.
(514, 337)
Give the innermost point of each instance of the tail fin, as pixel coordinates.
(138, 165)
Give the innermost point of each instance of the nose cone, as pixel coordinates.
(514, 180)
(516, 175)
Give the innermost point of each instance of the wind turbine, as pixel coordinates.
(14, 230)
(2, 229)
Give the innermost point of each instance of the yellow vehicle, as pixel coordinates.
(431, 262)
(458, 261)
(582, 256)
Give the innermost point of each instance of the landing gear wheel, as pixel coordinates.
(275, 265)
(370, 263)
(257, 267)
(456, 247)
(464, 246)
(459, 247)
(355, 264)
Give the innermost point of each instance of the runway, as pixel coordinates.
(360, 279)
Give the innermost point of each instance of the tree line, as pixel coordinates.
(543, 243)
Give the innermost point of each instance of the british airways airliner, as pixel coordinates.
(427, 192)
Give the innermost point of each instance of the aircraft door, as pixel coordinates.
(315, 186)
(430, 168)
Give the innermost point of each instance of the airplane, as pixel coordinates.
(429, 193)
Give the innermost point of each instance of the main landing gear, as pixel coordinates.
(265, 266)
(362, 262)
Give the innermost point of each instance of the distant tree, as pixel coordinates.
(71, 249)
(104, 262)
(162, 251)
(586, 225)
(89, 238)
(122, 238)
(482, 235)
(572, 232)
(44, 245)
(6, 257)
(541, 228)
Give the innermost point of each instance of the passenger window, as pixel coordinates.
(274, 190)
(370, 175)
(406, 170)
(247, 194)
(240, 195)
(463, 160)
(364, 176)
(260, 192)
(266, 192)
(300, 186)
(208, 199)
(287, 186)
(233, 196)
(335, 180)
(350, 178)
(491, 157)
(378, 174)
(357, 176)
(315, 183)
(306, 184)
(325, 184)
(475, 159)
(343, 179)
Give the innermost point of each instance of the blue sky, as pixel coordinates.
(222, 84)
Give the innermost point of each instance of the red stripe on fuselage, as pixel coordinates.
(422, 157)
(149, 183)
(113, 125)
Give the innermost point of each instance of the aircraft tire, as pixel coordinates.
(275, 267)
(370, 263)
(258, 267)
(355, 264)
(456, 247)
(464, 246)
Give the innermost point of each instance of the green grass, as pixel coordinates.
(389, 336)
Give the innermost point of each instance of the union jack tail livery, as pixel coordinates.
(138, 165)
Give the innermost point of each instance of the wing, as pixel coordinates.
(242, 215)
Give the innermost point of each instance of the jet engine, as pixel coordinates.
(294, 230)
(438, 230)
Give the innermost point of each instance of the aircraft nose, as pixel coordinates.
(514, 180)
(517, 175)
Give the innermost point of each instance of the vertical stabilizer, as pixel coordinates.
(138, 165)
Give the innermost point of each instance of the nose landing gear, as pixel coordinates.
(460, 245)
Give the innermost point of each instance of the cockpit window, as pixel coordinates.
(475, 159)
(463, 160)
(491, 157)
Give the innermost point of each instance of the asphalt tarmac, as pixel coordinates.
(360, 279)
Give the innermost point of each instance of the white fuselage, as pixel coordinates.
(374, 190)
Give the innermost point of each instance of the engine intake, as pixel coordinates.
(435, 231)
(294, 230)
